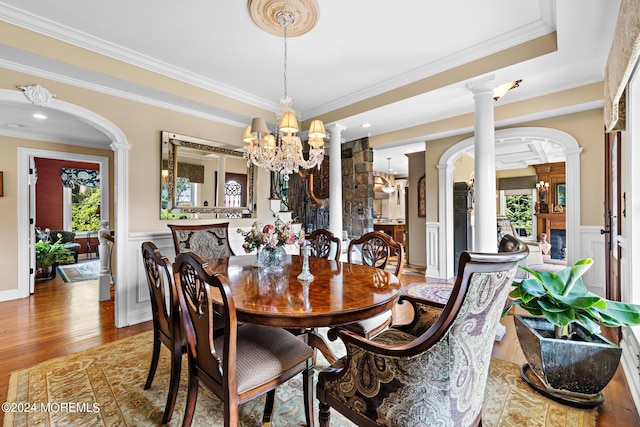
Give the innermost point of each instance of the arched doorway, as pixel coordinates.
(571, 151)
(116, 141)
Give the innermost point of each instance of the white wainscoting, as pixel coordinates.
(630, 336)
(593, 247)
(433, 250)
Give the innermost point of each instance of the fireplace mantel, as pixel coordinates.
(550, 221)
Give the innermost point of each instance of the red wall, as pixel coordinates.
(49, 190)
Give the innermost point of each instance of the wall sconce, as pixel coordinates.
(543, 189)
(1, 185)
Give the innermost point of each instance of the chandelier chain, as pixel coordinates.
(285, 60)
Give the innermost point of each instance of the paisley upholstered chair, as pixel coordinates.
(244, 362)
(376, 249)
(207, 240)
(166, 320)
(322, 242)
(432, 371)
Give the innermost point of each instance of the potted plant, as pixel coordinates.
(563, 345)
(48, 254)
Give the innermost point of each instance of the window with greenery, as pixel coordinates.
(85, 202)
(520, 210)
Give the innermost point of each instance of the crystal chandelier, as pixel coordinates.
(282, 151)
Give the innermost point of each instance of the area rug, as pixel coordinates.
(103, 386)
(79, 272)
(437, 292)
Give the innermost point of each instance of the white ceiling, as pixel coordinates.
(358, 49)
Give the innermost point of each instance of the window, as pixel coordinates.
(81, 199)
(519, 209)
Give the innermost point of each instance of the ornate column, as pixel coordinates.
(335, 180)
(485, 171)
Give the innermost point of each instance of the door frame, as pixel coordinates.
(26, 157)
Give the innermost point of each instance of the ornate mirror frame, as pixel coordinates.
(170, 144)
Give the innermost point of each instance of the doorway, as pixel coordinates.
(446, 164)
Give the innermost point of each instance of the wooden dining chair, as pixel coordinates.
(376, 249)
(206, 240)
(322, 241)
(166, 320)
(432, 371)
(242, 363)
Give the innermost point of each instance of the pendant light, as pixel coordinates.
(388, 188)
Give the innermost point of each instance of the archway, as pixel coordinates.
(571, 151)
(116, 142)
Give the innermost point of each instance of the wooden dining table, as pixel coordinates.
(339, 293)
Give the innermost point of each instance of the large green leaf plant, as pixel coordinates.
(562, 297)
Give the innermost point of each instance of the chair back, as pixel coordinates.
(321, 242)
(206, 302)
(446, 350)
(207, 240)
(162, 291)
(376, 250)
(466, 329)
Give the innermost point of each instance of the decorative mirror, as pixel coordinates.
(191, 186)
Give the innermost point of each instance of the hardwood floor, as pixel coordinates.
(63, 318)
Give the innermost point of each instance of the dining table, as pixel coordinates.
(339, 293)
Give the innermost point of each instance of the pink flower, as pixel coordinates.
(269, 229)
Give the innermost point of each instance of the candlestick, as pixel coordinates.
(305, 275)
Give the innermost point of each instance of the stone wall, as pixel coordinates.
(357, 187)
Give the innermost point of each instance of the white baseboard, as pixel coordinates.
(9, 295)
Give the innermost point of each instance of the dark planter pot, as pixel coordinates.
(584, 364)
(44, 273)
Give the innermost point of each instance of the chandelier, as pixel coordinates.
(282, 151)
(388, 188)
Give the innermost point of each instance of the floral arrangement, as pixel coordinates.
(274, 235)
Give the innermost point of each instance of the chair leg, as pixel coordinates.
(154, 362)
(174, 383)
(192, 396)
(325, 414)
(307, 385)
(268, 408)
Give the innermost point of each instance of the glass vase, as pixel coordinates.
(272, 258)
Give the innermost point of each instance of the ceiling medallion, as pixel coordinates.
(265, 15)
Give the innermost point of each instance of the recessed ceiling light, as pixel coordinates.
(39, 116)
(366, 125)
(13, 125)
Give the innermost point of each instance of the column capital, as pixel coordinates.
(482, 85)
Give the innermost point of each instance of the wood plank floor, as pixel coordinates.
(63, 318)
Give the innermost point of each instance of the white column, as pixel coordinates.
(222, 172)
(335, 180)
(485, 170)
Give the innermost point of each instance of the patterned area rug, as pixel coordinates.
(79, 272)
(438, 292)
(104, 387)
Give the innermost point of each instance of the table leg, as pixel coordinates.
(317, 341)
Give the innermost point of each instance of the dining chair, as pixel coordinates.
(376, 249)
(433, 370)
(242, 363)
(322, 241)
(166, 320)
(206, 240)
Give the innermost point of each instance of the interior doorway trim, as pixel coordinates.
(119, 222)
(446, 165)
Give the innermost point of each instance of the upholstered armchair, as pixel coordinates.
(432, 371)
